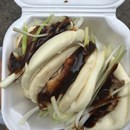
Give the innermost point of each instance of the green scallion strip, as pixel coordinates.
(24, 40)
(91, 108)
(56, 109)
(27, 115)
(117, 59)
(120, 89)
(86, 40)
(47, 21)
(92, 37)
(109, 59)
(43, 113)
(28, 34)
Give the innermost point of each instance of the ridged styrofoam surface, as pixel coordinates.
(76, 3)
(15, 105)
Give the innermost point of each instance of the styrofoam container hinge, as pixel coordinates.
(59, 5)
(68, 11)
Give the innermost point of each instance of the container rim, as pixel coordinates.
(70, 5)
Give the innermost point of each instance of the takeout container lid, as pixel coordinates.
(71, 5)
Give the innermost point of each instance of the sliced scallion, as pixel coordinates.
(92, 37)
(89, 109)
(78, 116)
(47, 21)
(120, 89)
(86, 40)
(118, 57)
(87, 114)
(24, 40)
(56, 109)
(10, 79)
(108, 59)
(27, 115)
(78, 22)
(15, 54)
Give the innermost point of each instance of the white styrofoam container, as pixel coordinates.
(99, 16)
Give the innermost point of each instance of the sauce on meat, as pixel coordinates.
(71, 69)
(112, 83)
(17, 63)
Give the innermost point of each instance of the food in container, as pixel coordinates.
(77, 105)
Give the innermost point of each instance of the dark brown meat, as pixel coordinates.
(71, 68)
(55, 82)
(104, 96)
(16, 64)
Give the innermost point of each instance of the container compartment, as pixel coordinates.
(108, 30)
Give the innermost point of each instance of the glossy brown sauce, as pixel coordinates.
(77, 61)
(16, 64)
(112, 83)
